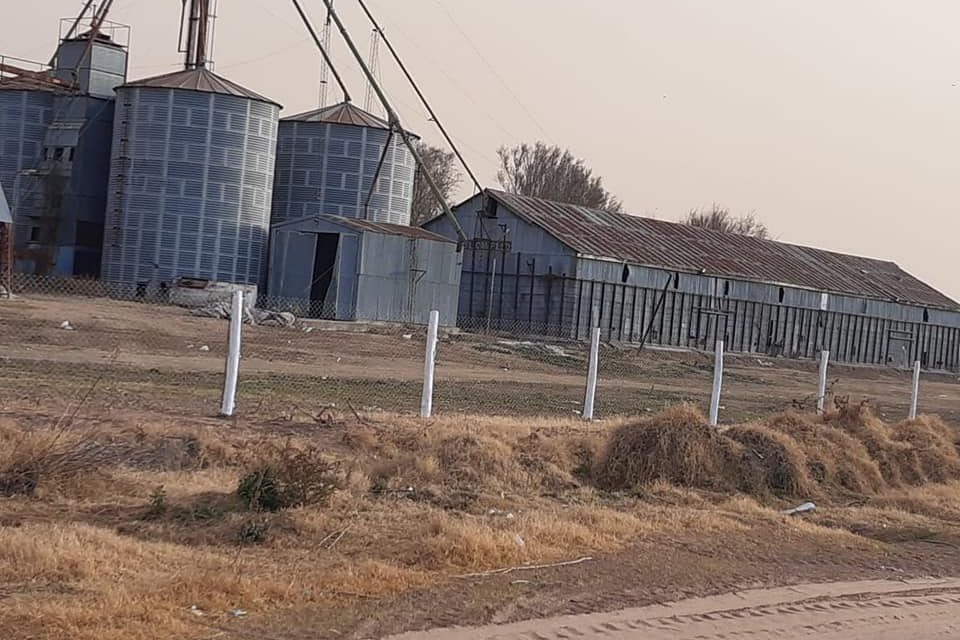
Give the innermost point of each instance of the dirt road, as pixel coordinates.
(876, 610)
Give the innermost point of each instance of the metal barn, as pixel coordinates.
(540, 267)
(339, 268)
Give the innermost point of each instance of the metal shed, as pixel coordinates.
(536, 266)
(339, 268)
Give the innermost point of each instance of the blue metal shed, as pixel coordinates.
(327, 266)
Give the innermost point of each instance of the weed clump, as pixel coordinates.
(773, 462)
(835, 459)
(287, 476)
(675, 446)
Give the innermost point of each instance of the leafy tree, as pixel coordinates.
(442, 166)
(720, 219)
(553, 173)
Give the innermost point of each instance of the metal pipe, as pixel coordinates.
(420, 95)
(394, 119)
(376, 176)
(73, 29)
(429, 361)
(201, 59)
(323, 51)
(915, 396)
(717, 384)
(231, 374)
(822, 387)
(591, 392)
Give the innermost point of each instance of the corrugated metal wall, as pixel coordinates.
(681, 310)
(191, 185)
(377, 276)
(325, 168)
(24, 118)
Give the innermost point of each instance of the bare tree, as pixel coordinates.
(554, 174)
(442, 166)
(719, 218)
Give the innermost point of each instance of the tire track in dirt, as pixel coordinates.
(877, 610)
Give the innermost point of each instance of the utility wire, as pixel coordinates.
(323, 51)
(423, 98)
(493, 70)
(454, 82)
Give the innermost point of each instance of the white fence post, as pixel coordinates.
(426, 400)
(914, 399)
(592, 374)
(717, 383)
(822, 387)
(228, 405)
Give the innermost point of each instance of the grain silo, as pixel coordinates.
(25, 114)
(191, 181)
(328, 158)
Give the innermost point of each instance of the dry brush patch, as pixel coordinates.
(380, 504)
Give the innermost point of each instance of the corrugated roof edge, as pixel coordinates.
(368, 226)
(504, 199)
(199, 80)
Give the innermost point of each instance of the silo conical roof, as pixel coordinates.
(342, 113)
(202, 80)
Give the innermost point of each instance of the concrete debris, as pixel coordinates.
(806, 507)
(204, 348)
(258, 317)
(66, 325)
(527, 345)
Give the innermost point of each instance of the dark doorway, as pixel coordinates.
(324, 264)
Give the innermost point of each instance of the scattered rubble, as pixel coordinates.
(253, 316)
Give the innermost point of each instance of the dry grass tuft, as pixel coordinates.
(835, 459)
(911, 453)
(773, 462)
(675, 446)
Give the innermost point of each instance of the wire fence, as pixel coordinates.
(165, 350)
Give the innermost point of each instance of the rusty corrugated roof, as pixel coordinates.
(202, 80)
(358, 224)
(675, 246)
(342, 113)
(389, 229)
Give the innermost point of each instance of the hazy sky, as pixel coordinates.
(837, 122)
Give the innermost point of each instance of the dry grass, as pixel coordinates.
(144, 523)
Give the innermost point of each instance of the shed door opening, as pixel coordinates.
(324, 265)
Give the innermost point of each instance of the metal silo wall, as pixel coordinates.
(24, 118)
(191, 183)
(326, 168)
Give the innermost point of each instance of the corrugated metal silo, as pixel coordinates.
(191, 181)
(326, 162)
(25, 115)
